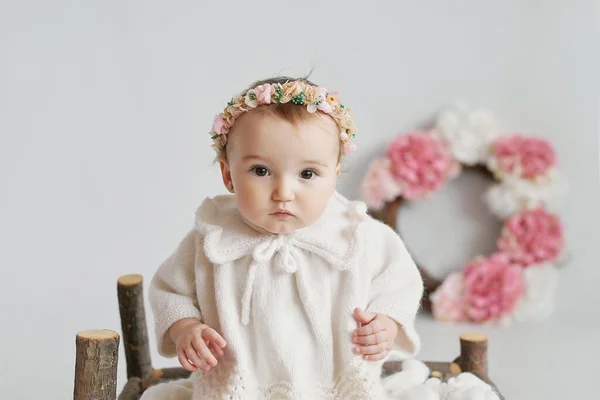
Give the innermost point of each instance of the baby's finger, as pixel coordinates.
(214, 337)
(185, 363)
(372, 349)
(371, 328)
(374, 338)
(196, 359)
(376, 357)
(205, 353)
(217, 350)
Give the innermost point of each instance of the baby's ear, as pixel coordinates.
(226, 173)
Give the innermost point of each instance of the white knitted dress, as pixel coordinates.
(284, 303)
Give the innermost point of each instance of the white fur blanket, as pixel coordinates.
(412, 384)
(409, 384)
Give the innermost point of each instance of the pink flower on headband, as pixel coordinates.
(349, 147)
(333, 98)
(263, 93)
(324, 106)
(220, 126)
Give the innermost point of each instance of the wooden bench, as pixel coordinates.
(97, 354)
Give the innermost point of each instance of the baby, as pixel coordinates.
(284, 288)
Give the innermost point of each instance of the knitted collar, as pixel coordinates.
(334, 238)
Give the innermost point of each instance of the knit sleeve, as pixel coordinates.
(396, 290)
(172, 292)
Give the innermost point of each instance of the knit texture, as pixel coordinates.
(284, 303)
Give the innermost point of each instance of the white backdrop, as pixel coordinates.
(104, 113)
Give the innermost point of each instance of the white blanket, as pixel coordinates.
(411, 383)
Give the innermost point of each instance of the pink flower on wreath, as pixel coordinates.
(378, 185)
(532, 237)
(220, 126)
(493, 286)
(447, 301)
(526, 156)
(421, 163)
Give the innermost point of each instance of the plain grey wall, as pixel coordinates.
(105, 108)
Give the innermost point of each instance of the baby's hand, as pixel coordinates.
(192, 339)
(376, 335)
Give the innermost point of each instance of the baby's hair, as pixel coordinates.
(287, 111)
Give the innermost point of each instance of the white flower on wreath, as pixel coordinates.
(537, 302)
(513, 194)
(469, 132)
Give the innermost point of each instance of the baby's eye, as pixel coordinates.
(308, 174)
(260, 171)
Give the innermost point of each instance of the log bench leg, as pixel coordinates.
(132, 389)
(473, 353)
(130, 293)
(473, 357)
(97, 354)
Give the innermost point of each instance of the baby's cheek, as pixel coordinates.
(251, 198)
(317, 203)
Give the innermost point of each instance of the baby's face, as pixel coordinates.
(283, 173)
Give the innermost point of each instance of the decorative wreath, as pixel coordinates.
(517, 282)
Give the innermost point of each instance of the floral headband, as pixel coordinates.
(298, 92)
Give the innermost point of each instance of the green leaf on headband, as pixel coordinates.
(278, 94)
(298, 99)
